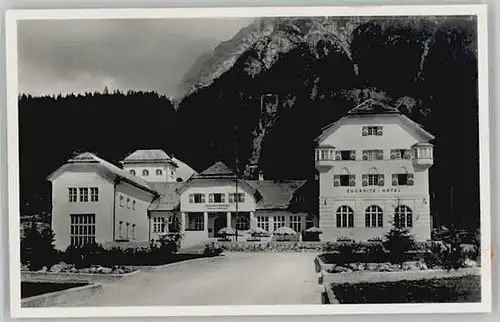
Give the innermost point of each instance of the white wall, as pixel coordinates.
(168, 171)
(62, 208)
(127, 214)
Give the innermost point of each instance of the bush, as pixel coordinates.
(310, 236)
(398, 241)
(37, 248)
(211, 250)
(374, 252)
(346, 252)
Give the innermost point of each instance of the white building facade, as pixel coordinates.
(373, 169)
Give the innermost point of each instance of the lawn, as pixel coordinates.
(439, 290)
(29, 289)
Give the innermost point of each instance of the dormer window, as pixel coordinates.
(145, 172)
(159, 172)
(132, 172)
(372, 130)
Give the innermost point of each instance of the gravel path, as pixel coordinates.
(234, 279)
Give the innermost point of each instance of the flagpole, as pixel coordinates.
(236, 174)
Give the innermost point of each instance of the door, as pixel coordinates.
(219, 223)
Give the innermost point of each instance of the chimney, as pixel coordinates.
(261, 176)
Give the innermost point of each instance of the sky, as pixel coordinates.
(63, 56)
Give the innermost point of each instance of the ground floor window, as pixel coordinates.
(310, 221)
(403, 217)
(158, 225)
(242, 223)
(374, 216)
(263, 222)
(296, 223)
(82, 229)
(345, 217)
(279, 221)
(196, 222)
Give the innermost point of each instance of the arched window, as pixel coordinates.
(122, 201)
(132, 172)
(242, 223)
(145, 172)
(159, 172)
(310, 221)
(128, 203)
(345, 217)
(374, 216)
(403, 217)
(133, 205)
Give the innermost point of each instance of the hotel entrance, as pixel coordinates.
(219, 222)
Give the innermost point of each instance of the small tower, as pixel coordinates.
(151, 165)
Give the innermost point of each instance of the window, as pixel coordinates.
(145, 172)
(196, 223)
(373, 180)
(233, 197)
(345, 155)
(127, 230)
(72, 193)
(263, 222)
(373, 154)
(400, 154)
(309, 221)
(197, 198)
(159, 172)
(403, 217)
(372, 130)
(133, 205)
(217, 198)
(344, 180)
(279, 221)
(133, 231)
(82, 229)
(122, 201)
(158, 224)
(84, 194)
(324, 154)
(242, 223)
(94, 194)
(403, 178)
(345, 217)
(132, 172)
(296, 223)
(374, 217)
(128, 203)
(120, 229)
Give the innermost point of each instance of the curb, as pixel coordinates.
(153, 268)
(59, 297)
(73, 277)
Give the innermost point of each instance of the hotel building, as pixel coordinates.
(96, 201)
(373, 171)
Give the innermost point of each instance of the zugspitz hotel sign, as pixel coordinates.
(215, 206)
(374, 190)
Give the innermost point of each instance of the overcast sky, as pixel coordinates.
(85, 55)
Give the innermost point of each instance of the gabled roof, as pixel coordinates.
(148, 156)
(372, 106)
(275, 194)
(169, 196)
(218, 170)
(89, 162)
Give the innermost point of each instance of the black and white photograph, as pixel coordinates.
(233, 161)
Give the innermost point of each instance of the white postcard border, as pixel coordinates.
(11, 18)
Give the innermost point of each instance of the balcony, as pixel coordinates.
(422, 156)
(325, 158)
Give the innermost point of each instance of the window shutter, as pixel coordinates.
(191, 198)
(407, 154)
(380, 179)
(393, 154)
(394, 179)
(211, 198)
(338, 155)
(353, 155)
(410, 179)
(380, 154)
(365, 155)
(352, 180)
(365, 131)
(223, 197)
(231, 200)
(203, 198)
(380, 131)
(336, 181)
(364, 180)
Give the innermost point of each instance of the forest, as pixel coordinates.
(425, 67)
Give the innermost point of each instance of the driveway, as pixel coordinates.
(234, 279)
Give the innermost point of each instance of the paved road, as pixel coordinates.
(235, 279)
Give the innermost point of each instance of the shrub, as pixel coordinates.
(37, 248)
(374, 252)
(346, 252)
(398, 241)
(212, 250)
